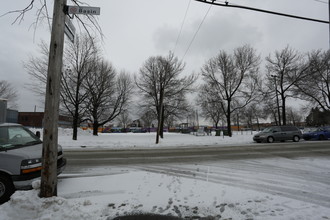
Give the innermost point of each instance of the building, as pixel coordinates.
(12, 116)
(3, 110)
(35, 119)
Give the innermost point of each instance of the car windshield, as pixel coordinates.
(317, 129)
(16, 136)
(269, 129)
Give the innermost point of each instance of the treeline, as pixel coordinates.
(232, 86)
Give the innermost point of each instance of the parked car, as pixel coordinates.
(322, 133)
(200, 131)
(278, 133)
(21, 159)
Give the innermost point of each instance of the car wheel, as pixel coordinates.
(296, 138)
(321, 137)
(270, 139)
(6, 189)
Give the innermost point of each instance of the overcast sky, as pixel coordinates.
(137, 29)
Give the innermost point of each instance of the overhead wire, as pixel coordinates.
(183, 21)
(199, 27)
(227, 4)
(321, 1)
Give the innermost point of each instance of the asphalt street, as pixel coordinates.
(194, 154)
(298, 171)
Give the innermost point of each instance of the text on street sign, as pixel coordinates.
(84, 10)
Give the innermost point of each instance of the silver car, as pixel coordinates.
(20, 159)
(278, 133)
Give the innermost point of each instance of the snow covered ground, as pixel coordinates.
(224, 190)
(146, 140)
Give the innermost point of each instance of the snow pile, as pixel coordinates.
(27, 205)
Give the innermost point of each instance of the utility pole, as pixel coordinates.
(50, 133)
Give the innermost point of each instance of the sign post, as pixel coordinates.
(69, 30)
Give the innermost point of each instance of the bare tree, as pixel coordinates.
(124, 118)
(315, 87)
(148, 116)
(108, 94)
(175, 108)
(294, 117)
(79, 58)
(232, 80)
(36, 67)
(162, 88)
(7, 91)
(86, 22)
(211, 109)
(285, 69)
(252, 114)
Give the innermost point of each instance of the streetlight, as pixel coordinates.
(277, 102)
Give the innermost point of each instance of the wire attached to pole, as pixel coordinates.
(227, 4)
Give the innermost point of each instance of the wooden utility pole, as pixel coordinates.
(50, 132)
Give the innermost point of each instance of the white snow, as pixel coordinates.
(146, 140)
(107, 192)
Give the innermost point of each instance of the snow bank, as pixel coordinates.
(27, 205)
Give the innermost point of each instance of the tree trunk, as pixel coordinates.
(258, 124)
(229, 125)
(76, 110)
(228, 119)
(283, 111)
(158, 126)
(75, 124)
(75, 129)
(160, 115)
(275, 118)
(162, 124)
(95, 127)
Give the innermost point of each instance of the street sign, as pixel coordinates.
(83, 10)
(69, 30)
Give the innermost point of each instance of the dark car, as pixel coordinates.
(278, 133)
(322, 133)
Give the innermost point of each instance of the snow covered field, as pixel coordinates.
(146, 140)
(275, 188)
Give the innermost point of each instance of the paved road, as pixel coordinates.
(299, 171)
(83, 158)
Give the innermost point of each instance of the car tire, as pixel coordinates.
(321, 137)
(270, 139)
(6, 188)
(296, 138)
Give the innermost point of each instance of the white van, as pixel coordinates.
(21, 159)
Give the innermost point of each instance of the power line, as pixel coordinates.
(199, 27)
(183, 21)
(227, 4)
(321, 1)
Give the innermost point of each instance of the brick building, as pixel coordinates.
(35, 119)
